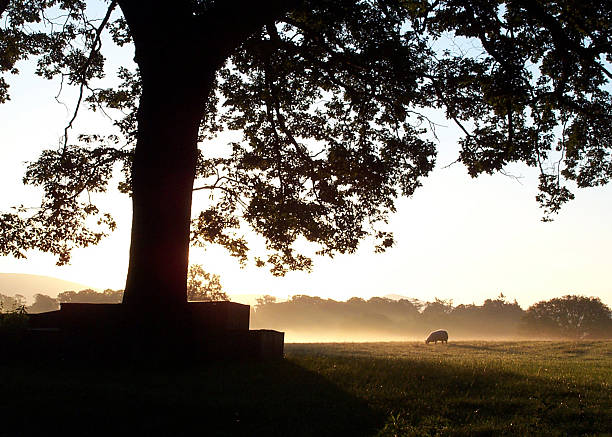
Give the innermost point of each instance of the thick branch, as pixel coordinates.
(195, 40)
(252, 16)
(3, 6)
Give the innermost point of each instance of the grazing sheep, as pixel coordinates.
(436, 336)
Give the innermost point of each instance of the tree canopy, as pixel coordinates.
(332, 99)
(204, 286)
(569, 316)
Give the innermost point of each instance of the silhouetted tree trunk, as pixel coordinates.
(178, 54)
(3, 6)
(174, 90)
(163, 172)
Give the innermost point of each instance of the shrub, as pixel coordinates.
(13, 323)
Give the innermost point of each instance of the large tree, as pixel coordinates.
(332, 98)
(569, 316)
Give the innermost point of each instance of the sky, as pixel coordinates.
(456, 238)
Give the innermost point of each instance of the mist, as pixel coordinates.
(316, 336)
(307, 319)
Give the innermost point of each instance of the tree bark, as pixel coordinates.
(162, 181)
(178, 53)
(175, 86)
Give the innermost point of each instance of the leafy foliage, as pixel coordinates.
(204, 286)
(332, 98)
(90, 296)
(13, 323)
(11, 303)
(265, 300)
(43, 303)
(66, 43)
(66, 218)
(570, 317)
(310, 318)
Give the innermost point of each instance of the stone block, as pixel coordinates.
(206, 331)
(219, 315)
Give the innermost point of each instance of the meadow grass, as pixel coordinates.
(353, 389)
(474, 388)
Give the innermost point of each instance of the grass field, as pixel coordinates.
(474, 388)
(356, 389)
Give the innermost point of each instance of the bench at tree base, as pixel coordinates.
(205, 331)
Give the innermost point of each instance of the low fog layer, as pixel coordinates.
(313, 319)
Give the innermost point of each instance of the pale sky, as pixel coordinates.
(457, 238)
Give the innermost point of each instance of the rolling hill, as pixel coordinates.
(29, 285)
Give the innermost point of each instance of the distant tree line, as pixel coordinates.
(201, 286)
(11, 303)
(569, 317)
(43, 302)
(575, 317)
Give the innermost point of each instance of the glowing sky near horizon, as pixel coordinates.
(457, 238)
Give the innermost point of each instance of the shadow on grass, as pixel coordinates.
(221, 399)
(569, 348)
(497, 348)
(435, 397)
(316, 391)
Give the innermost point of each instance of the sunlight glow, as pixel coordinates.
(457, 238)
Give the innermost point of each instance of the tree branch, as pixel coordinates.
(253, 16)
(83, 79)
(3, 6)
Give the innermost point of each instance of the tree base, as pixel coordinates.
(199, 331)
